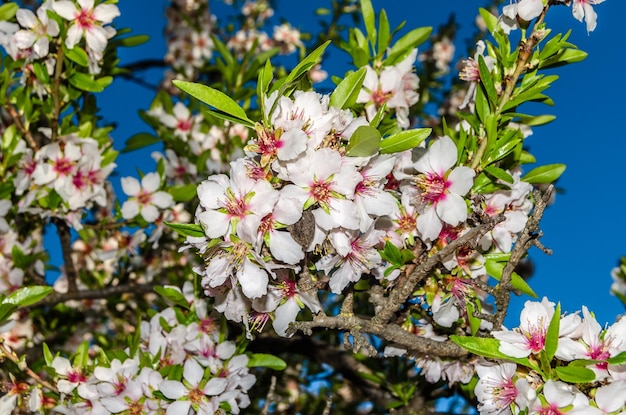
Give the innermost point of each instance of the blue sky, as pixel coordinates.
(585, 226)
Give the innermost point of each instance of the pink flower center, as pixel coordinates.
(503, 391)
(289, 289)
(535, 338)
(470, 71)
(320, 190)
(184, 125)
(433, 186)
(85, 19)
(379, 97)
(551, 410)
(144, 198)
(63, 166)
(75, 376)
(237, 208)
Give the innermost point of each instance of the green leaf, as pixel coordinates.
(25, 296)
(187, 229)
(8, 11)
(487, 81)
(369, 18)
(174, 295)
(263, 82)
(552, 336)
(406, 43)
(266, 360)
(487, 347)
(499, 173)
(563, 57)
(404, 140)
(346, 93)
(140, 140)
(133, 40)
(47, 354)
(364, 142)
(183, 193)
(77, 55)
(520, 284)
(619, 359)
(378, 118)
(307, 63)
(6, 310)
(490, 20)
(575, 374)
(214, 98)
(383, 33)
(85, 82)
(544, 174)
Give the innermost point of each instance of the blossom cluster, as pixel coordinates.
(511, 388)
(182, 364)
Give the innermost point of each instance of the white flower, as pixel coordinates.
(582, 9)
(441, 188)
(36, 30)
(87, 21)
(145, 199)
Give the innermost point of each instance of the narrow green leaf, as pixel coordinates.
(214, 98)
(25, 296)
(346, 93)
(6, 310)
(619, 359)
(552, 336)
(383, 33)
(575, 374)
(481, 104)
(133, 40)
(487, 347)
(539, 120)
(266, 360)
(307, 63)
(81, 359)
(187, 229)
(487, 81)
(404, 140)
(208, 113)
(520, 284)
(406, 43)
(47, 354)
(369, 18)
(563, 57)
(378, 118)
(364, 142)
(499, 173)
(183, 193)
(85, 82)
(140, 140)
(77, 55)
(8, 11)
(544, 174)
(490, 20)
(173, 295)
(263, 82)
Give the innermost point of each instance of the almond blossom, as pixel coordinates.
(37, 30)
(145, 198)
(530, 336)
(87, 21)
(583, 9)
(440, 188)
(498, 388)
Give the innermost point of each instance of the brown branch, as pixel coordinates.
(401, 292)
(389, 332)
(522, 245)
(17, 121)
(63, 230)
(6, 352)
(58, 298)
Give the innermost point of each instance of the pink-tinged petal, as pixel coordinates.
(105, 13)
(461, 180)
(178, 408)
(442, 155)
(284, 248)
(163, 200)
(253, 280)
(590, 17)
(429, 224)
(86, 4)
(193, 372)
(452, 210)
(292, 144)
(130, 209)
(66, 9)
(285, 315)
(215, 386)
(96, 38)
(173, 389)
(370, 83)
(24, 39)
(114, 405)
(74, 34)
(529, 9)
(150, 213)
(131, 186)
(26, 18)
(211, 192)
(216, 224)
(511, 343)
